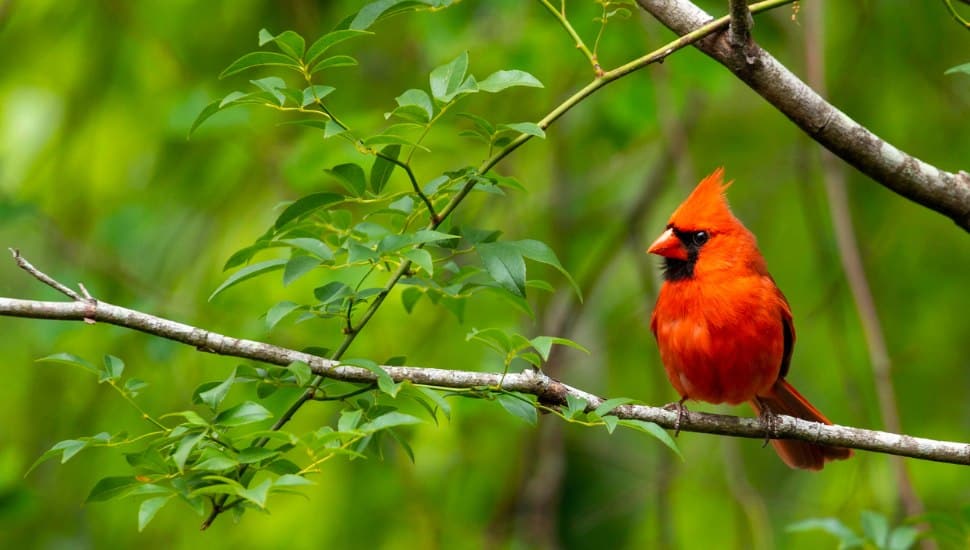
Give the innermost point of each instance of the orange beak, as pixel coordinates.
(668, 246)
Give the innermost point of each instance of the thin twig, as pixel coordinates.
(956, 15)
(414, 183)
(43, 277)
(560, 16)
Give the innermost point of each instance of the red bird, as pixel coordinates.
(724, 329)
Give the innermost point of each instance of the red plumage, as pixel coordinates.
(723, 327)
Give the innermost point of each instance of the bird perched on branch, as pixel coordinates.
(723, 327)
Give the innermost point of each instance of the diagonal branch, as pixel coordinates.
(550, 392)
(945, 192)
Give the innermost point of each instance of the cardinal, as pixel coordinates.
(723, 327)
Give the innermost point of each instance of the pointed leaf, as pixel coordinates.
(653, 430)
(528, 128)
(289, 42)
(500, 80)
(248, 273)
(69, 359)
(314, 246)
(305, 206)
(351, 176)
(112, 487)
(213, 397)
(543, 344)
(313, 94)
(185, 447)
(382, 168)
(389, 420)
(297, 266)
(447, 78)
(328, 40)
(519, 407)
(504, 263)
(607, 406)
(242, 414)
(148, 508)
(421, 258)
(539, 251)
(259, 59)
(417, 99)
(334, 62)
(384, 381)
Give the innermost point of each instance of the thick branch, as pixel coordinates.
(945, 192)
(549, 391)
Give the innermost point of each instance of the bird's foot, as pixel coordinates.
(770, 421)
(681, 409)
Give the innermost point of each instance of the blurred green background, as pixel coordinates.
(99, 184)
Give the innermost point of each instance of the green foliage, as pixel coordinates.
(876, 532)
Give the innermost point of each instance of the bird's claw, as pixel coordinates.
(770, 421)
(681, 409)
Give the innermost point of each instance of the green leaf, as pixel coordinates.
(301, 371)
(260, 59)
(297, 266)
(313, 94)
(409, 297)
(314, 246)
(416, 102)
(374, 11)
(217, 463)
(258, 494)
(242, 414)
(185, 447)
(421, 258)
(111, 488)
(289, 42)
(610, 422)
(331, 291)
(607, 406)
(653, 430)
(67, 449)
(539, 251)
(903, 538)
(349, 420)
(306, 205)
(279, 311)
(204, 115)
(113, 367)
(504, 263)
(134, 385)
(876, 528)
(272, 86)
(446, 79)
(351, 176)
(69, 359)
(543, 344)
(382, 168)
(965, 68)
(248, 273)
(528, 128)
(191, 417)
(253, 455)
(265, 389)
(214, 396)
(575, 406)
(500, 80)
(148, 508)
(384, 381)
(329, 40)
(517, 406)
(333, 62)
(391, 139)
(832, 526)
(291, 480)
(390, 420)
(438, 400)
(391, 243)
(495, 338)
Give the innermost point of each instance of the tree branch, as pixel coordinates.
(550, 392)
(944, 192)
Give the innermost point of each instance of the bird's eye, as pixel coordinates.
(700, 237)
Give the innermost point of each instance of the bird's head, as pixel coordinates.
(701, 223)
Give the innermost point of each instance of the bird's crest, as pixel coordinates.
(706, 208)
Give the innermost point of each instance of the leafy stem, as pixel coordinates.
(560, 15)
(414, 182)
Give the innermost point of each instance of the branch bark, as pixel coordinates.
(550, 392)
(945, 192)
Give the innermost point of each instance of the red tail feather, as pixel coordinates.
(784, 399)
